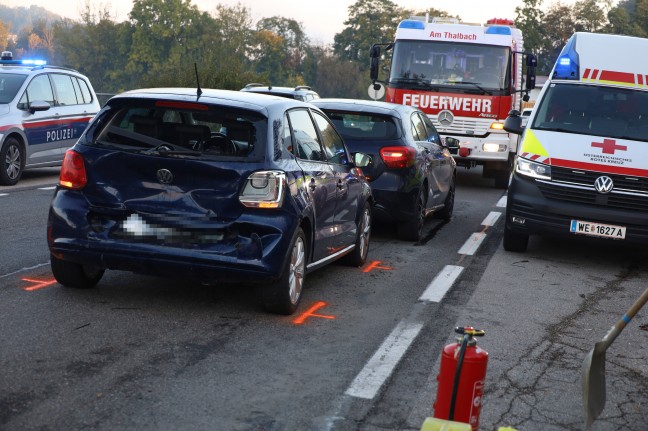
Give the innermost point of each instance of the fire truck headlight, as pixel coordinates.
(532, 169)
(490, 147)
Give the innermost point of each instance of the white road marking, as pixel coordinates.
(4, 194)
(502, 202)
(382, 363)
(491, 218)
(444, 280)
(47, 188)
(473, 243)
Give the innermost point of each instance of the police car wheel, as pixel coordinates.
(72, 274)
(12, 162)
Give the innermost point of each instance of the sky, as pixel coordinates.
(321, 20)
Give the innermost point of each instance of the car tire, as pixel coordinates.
(12, 162)
(412, 228)
(448, 205)
(358, 256)
(72, 274)
(283, 296)
(514, 241)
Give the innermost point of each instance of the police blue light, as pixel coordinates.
(567, 64)
(34, 62)
(499, 29)
(410, 23)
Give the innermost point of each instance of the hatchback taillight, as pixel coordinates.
(398, 157)
(73, 173)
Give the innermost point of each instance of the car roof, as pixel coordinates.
(274, 89)
(30, 69)
(366, 106)
(247, 100)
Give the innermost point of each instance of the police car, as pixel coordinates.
(301, 92)
(43, 111)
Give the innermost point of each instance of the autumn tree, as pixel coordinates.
(5, 30)
(281, 47)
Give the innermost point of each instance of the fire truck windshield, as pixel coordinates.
(463, 67)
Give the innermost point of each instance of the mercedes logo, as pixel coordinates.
(445, 118)
(164, 176)
(604, 184)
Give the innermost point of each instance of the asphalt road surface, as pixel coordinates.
(361, 353)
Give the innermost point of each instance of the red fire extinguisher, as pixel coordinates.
(461, 379)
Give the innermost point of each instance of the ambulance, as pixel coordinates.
(582, 165)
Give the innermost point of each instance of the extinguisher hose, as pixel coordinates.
(455, 384)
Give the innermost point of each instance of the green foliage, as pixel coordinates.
(163, 40)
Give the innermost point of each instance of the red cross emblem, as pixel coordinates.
(609, 146)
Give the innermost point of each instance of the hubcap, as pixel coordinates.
(13, 162)
(297, 262)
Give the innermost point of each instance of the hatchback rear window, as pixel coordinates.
(185, 130)
(364, 126)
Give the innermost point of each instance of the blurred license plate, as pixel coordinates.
(597, 229)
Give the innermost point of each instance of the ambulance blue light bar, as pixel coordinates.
(567, 64)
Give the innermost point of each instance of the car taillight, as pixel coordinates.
(264, 189)
(73, 173)
(398, 157)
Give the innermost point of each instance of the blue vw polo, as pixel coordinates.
(213, 185)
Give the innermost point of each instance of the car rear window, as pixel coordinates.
(364, 126)
(185, 130)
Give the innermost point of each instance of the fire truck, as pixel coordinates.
(466, 78)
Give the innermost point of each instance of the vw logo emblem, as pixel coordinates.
(164, 176)
(603, 184)
(445, 118)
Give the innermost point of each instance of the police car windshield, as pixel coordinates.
(10, 83)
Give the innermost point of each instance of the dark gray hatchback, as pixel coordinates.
(412, 174)
(221, 186)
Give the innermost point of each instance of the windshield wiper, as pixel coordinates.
(169, 150)
(476, 84)
(419, 81)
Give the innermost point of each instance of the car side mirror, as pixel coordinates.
(362, 160)
(513, 123)
(38, 105)
(374, 57)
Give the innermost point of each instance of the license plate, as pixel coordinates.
(597, 229)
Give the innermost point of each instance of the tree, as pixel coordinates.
(559, 25)
(369, 22)
(165, 34)
(589, 15)
(110, 42)
(529, 19)
(280, 49)
(623, 20)
(338, 77)
(5, 30)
